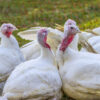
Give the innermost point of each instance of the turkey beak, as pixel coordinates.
(16, 29)
(78, 31)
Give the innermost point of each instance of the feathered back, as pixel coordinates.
(54, 38)
(95, 31)
(95, 43)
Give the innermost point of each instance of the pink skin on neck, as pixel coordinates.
(7, 33)
(65, 42)
(42, 36)
(46, 44)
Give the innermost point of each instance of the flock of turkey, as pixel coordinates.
(51, 64)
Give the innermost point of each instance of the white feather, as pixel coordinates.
(10, 56)
(80, 74)
(37, 79)
(96, 30)
(32, 49)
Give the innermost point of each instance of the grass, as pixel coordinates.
(29, 13)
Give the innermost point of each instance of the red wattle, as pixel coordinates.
(45, 38)
(8, 34)
(66, 42)
(47, 46)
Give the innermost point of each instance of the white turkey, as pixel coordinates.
(80, 71)
(94, 41)
(36, 79)
(90, 42)
(54, 38)
(85, 39)
(96, 31)
(32, 50)
(10, 54)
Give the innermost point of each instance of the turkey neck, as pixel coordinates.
(68, 53)
(10, 42)
(72, 49)
(74, 43)
(47, 54)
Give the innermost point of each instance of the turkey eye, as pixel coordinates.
(9, 27)
(72, 28)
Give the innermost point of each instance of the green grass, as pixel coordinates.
(29, 13)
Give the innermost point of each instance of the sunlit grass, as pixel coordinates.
(29, 13)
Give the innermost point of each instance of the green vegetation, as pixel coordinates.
(29, 13)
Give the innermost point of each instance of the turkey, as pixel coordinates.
(94, 41)
(84, 39)
(96, 31)
(54, 38)
(28, 50)
(80, 71)
(90, 42)
(10, 54)
(36, 79)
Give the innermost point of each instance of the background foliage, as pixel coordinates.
(28, 13)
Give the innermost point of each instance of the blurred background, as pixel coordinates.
(28, 13)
